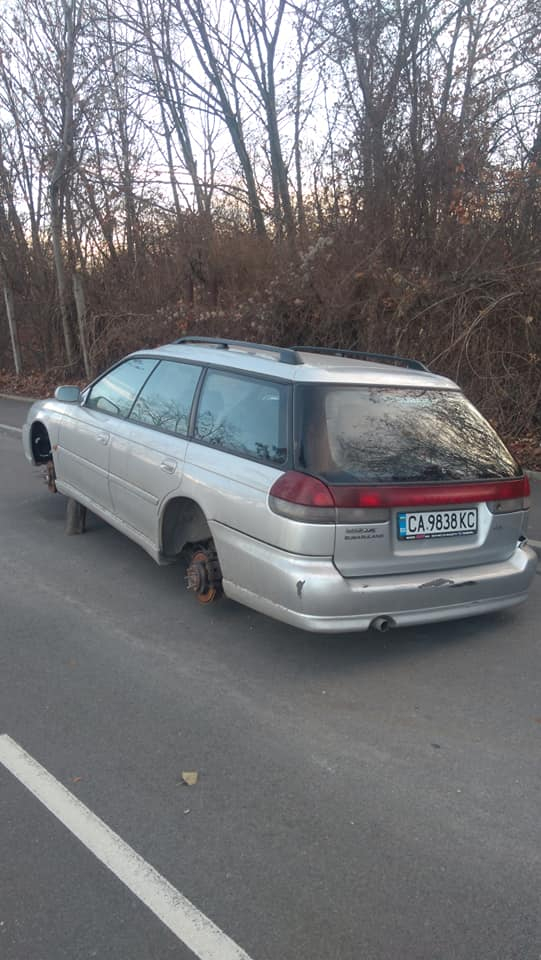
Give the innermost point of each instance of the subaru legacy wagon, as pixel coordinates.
(330, 490)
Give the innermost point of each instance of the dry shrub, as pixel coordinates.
(479, 321)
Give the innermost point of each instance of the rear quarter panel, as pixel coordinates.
(234, 491)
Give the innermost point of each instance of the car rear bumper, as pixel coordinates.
(309, 592)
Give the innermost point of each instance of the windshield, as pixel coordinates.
(368, 434)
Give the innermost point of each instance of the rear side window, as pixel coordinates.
(166, 399)
(395, 435)
(116, 391)
(244, 416)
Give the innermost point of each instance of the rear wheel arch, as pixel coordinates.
(185, 530)
(183, 523)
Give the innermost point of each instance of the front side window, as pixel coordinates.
(166, 399)
(396, 435)
(244, 416)
(116, 391)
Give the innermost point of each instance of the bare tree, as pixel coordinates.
(7, 269)
(259, 28)
(160, 30)
(214, 53)
(62, 159)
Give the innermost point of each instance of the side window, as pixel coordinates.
(166, 398)
(244, 416)
(116, 391)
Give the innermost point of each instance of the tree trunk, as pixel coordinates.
(80, 305)
(12, 324)
(60, 269)
(58, 181)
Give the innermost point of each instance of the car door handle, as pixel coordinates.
(168, 466)
(103, 438)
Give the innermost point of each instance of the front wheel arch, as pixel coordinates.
(40, 443)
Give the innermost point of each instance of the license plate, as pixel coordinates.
(437, 523)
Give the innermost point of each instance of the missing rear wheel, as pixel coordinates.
(203, 576)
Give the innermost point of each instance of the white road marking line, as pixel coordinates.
(192, 927)
(12, 396)
(6, 426)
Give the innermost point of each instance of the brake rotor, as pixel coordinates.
(204, 576)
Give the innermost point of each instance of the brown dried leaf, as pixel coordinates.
(189, 777)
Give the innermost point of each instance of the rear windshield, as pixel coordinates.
(395, 435)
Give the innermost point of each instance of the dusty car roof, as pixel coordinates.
(314, 367)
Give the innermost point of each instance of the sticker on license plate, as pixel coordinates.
(437, 523)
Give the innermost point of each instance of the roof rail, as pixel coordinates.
(291, 356)
(285, 354)
(361, 355)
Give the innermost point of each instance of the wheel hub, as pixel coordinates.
(204, 576)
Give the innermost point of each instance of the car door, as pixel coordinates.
(86, 429)
(149, 447)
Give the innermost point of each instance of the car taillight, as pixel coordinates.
(299, 496)
(302, 497)
(511, 504)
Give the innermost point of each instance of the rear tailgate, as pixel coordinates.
(431, 531)
(421, 481)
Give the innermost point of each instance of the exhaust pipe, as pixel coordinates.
(382, 624)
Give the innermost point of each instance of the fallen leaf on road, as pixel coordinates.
(76, 779)
(189, 777)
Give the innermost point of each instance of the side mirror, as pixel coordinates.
(67, 394)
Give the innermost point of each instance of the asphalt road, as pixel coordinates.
(359, 798)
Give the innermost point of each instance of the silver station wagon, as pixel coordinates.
(331, 490)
